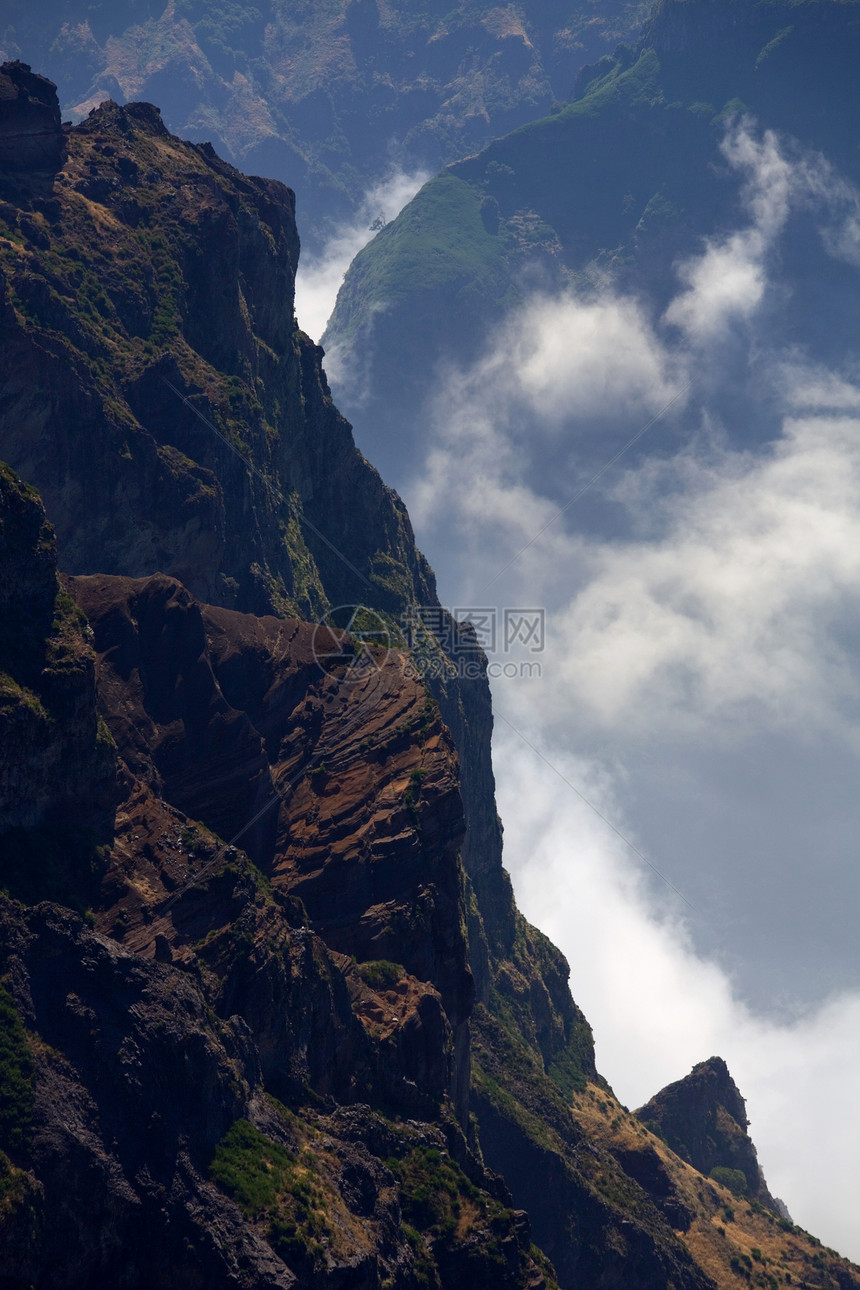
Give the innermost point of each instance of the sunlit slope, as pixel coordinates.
(735, 1240)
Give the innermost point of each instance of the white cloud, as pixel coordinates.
(815, 389)
(726, 619)
(713, 617)
(592, 357)
(563, 366)
(319, 277)
(727, 282)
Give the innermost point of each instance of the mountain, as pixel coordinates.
(613, 191)
(270, 1016)
(326, 96)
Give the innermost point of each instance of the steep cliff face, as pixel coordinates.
(162, 321)
(158, 392)
(31, 134)
(139, 1139)
(340, 785)
(57, 774)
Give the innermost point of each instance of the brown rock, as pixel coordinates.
(341, 785)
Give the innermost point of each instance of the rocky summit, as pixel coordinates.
(269, 1016)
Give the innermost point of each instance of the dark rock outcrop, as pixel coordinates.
(31, 132)
(57, 773)
(703, 1119)
(339, 781)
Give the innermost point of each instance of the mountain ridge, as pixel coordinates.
(291, 91)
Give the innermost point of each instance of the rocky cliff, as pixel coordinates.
(148, 297)
(280, 1022)
(143, 1049)
(32, 137)
(703, 1119)
(57, 793)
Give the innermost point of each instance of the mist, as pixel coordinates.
(319, 276)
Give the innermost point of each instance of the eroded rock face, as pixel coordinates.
(133, 1087)
(158, 392)
(136, 1054)
(136, 1085)
(31, 133)
(703, 1118)
(339, 781)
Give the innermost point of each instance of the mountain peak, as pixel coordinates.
(31, 132)
(145, 118)
(703, 1119)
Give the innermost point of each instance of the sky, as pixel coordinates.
(677, 775)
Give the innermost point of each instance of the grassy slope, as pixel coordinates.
(737, 1242)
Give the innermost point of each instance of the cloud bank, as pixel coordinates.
(658, 1007)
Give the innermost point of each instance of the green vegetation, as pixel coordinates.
(381, 974)
(733, 1179)
(271, 1183)
(13, 695)
(413, 793)
(439, 240)
(426, 1277)
(446, 1216)
(19, 1191)
(17, 1078)
(433, 1190)
(253, 1169)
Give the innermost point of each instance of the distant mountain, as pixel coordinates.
(325, 96)
(613, 189)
